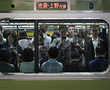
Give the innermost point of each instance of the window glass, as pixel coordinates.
(16, 46)
(82, 46)
(53, 46)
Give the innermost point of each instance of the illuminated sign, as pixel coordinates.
(51, 5)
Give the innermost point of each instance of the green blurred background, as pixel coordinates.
(54, 85)
(5, 5)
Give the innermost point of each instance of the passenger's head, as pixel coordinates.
(27, 55)
(6, 33)
(12, 38)
(53, 52)
(4, 55)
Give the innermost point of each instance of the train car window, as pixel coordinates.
(53, 46)
(73, 45)
(17, 53)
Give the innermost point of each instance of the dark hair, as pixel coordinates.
(6, 33)
(14, 36)
(4, 55)
(27, 55)
(53, 52)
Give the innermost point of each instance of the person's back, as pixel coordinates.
(27, 66)
(100, 63)
(52, 65)
(23, 41)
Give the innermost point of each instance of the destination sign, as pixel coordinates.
(51, 5)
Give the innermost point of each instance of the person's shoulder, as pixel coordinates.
(59, 63)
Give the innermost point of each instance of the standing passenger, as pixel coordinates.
(52, 65)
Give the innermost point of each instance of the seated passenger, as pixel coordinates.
(27, 66)
(52, 65)
(99, 64)
(5, 66)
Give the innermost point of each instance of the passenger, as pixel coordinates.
(95, 41)
(54, 35)
(13, 42)
(6, 33)
(89, 49)
(99, 64)
(74, 36)
(43, 55)
(56, 40)
(5, 65)
(47, 40)
(64, 51)
(52, 65)
(75, 64)
(27, 64)
(23, 40)
(14, 49)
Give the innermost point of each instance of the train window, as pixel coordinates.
(16, 46)
(53, 46)
(73, 45)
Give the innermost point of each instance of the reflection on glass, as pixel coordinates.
(83, 47)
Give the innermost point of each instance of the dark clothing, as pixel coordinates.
(5, 67)
(89, 50)
(98, 65)
(3, 45)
